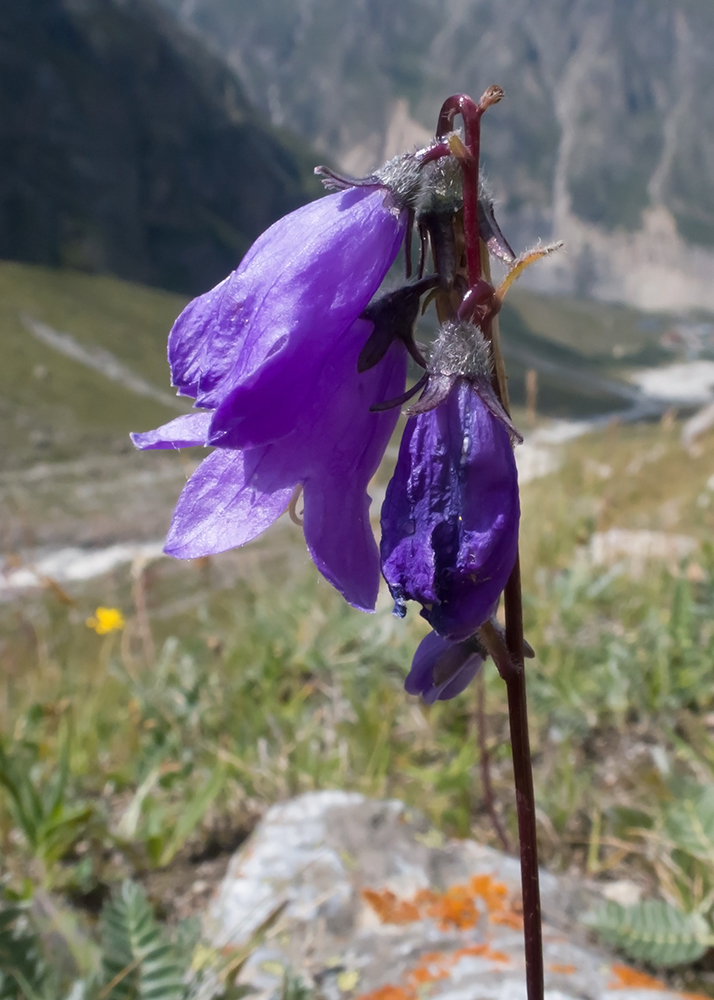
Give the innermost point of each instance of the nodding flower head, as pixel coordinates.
(252, 349)
(276, 358)
(451, 512)
(332, 452)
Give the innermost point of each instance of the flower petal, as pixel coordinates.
(345, 443)
(407, 552)
(188, 431)
(228, 501)
(442, 669)
(450, 516)
(311, 304)
(339, 536)
(421, 674)
(198, 331)
(306, 277)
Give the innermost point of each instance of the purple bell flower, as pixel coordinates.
(273, 355)
(253, 348)
(451, 512)
(332, 450)
(442, 669)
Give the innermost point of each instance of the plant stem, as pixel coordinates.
(484, 759)
(523, 776)
(509, 658)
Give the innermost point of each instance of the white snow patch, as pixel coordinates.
(69, 565)
(690, 381)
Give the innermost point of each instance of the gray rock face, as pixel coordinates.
(607, 121)
(363, 898)
(125, 147)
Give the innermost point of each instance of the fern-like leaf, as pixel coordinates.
(690, 825)
(653, 932)
(139, 962)
(22, 967)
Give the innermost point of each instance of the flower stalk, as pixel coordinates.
(509, 657)
(297, 365)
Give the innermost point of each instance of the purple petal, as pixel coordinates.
(228, 501)
(450, 516)
(302, 283)
(309, 310)
(188, 431)
(342, 444)
(195, 331)
(420, 677)
(442, 669)
(461, 679)
(339, 536)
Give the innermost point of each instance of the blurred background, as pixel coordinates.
(143, 147)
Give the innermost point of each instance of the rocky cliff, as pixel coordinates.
(606, 139)
(125, 147)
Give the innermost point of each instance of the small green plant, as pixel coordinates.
(138, 962)
(680, 848)
(654, 932)
(39, 802)
(137, 958)
(23, 972)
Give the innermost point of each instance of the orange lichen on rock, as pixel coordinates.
(626, 977)
(482, 951)
(390, 908)
(495, 896)
(563, 970)
(388, 993)
(433, 965)
(454, 908)
(507, 918)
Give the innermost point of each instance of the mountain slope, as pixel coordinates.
(125, 147)
(606, 138)
(84, 359)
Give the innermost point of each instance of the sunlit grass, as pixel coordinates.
(271, 685)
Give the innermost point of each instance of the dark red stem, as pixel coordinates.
(485, 762)
(508, 659)
(525, 796)
(471, 114)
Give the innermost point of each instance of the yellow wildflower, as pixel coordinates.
(106, 620)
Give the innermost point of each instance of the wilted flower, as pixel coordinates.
(442, 669)
(450, 516)
(291, 361)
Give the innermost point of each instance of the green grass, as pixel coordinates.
(52, 407)
(252, 664)
(244, 679)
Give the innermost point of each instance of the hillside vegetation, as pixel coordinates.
(127, 148)
(54, 407)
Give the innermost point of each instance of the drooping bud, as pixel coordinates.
(442, 669)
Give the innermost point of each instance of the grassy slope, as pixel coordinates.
(251, 663)
(52, 407)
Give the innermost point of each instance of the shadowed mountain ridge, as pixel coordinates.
(126, 148)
